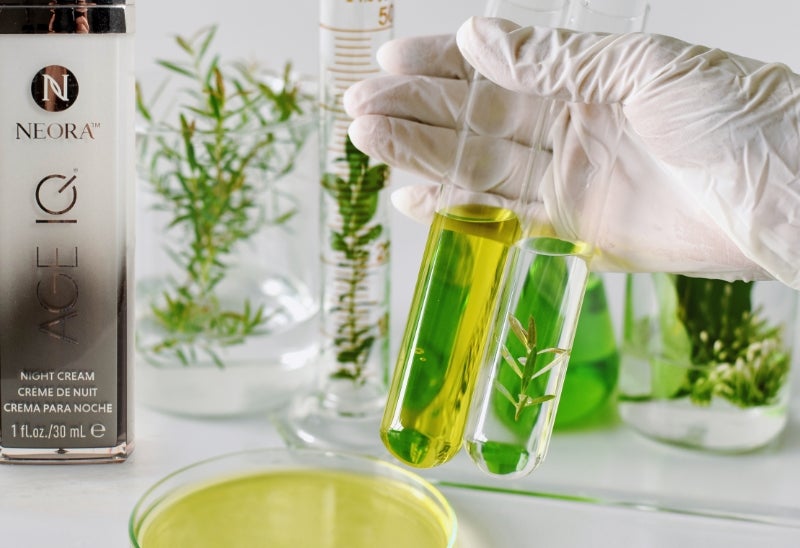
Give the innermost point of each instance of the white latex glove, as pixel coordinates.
(707, 174)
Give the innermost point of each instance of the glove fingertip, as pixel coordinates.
(366, 134)
(416, 202)
(385, 55)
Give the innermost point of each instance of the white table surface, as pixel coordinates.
(88, 506)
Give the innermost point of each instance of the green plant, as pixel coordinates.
(716, 344)
(208, 164)
(529, 367)
(357, 200)
(736, 354)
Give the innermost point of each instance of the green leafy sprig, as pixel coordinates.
(357, 199)
(528, 367)
(208, 168)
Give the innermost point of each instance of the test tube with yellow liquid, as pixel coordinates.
(458, 287)
(530, 342)
(447, 327)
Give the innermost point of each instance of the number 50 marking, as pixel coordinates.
(386, 15)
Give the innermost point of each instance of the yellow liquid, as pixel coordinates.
(445, 338)
(295, 509)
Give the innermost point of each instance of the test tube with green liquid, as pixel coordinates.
(530, 342)
(459, 285)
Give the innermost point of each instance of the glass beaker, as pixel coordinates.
(226, 303)
(706, 363)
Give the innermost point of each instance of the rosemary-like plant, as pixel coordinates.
(357, 199)
(208, 165)
(528, 367)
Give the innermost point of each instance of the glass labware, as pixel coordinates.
(226, 307)
(459, 282)
(344, 407)
(281, 497)
(514, 409)
(706, 363)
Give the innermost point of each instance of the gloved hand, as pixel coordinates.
(707, 176)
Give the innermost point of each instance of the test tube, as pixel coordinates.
(514, 407)
(459, 282)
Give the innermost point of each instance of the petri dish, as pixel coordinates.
(294, 498)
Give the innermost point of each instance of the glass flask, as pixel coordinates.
(706, 363)
(227, 302)
(591, 377)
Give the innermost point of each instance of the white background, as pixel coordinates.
(277, 30)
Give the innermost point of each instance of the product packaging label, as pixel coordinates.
(62, 243)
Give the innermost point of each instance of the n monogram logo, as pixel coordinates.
(54, 88)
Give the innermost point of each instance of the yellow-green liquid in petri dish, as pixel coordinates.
(454, 302)
(297, 508)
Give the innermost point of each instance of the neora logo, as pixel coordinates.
(54, 88)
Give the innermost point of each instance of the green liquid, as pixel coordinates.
(445, 338)
(499, 457)
(297, 508)
(594, 361)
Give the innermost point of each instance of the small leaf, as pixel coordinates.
(184, 45)
(176, 68)
(555, 361)
(210, 33)
(338, 242)
(528, 401)
(532, 337)
(372, 234)
(519, 331)
(504, 392)
(511, 361)
(141, 107)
